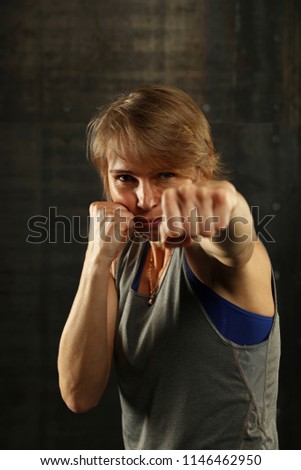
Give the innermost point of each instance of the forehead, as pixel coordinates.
(116, 160)
(131, 164)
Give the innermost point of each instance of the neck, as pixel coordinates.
(159, 258)
(160, 253)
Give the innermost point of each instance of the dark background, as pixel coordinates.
(60, 59)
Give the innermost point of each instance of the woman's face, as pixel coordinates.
(140, 188)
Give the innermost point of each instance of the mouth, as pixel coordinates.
(143, 222)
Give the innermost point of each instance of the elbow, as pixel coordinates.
(79, 404)
(80, 400)
(81, 394)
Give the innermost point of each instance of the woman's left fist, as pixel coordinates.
(196, 210)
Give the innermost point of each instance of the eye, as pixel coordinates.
(166, 175)
(125, 178)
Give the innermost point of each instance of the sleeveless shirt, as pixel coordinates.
(182, 385)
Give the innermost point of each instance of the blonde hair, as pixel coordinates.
(158, 126)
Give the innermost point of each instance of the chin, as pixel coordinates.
(148, 233)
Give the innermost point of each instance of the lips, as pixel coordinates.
(142, 222)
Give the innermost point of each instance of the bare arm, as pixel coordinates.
(221, 245)
(234, 242)
(213, 215)
(86, 345)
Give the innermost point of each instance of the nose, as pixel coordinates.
(147, 196)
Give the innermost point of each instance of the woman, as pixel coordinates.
(175, 284)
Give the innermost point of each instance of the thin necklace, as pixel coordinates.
(153, 288)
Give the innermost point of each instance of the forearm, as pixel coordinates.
(84, 359)
(233, 246)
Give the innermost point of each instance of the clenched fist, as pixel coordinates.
(196, 210)
(110, 225)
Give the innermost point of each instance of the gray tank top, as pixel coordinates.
(182, 385)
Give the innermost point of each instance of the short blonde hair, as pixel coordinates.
(158, 126)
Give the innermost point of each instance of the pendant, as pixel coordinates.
(151, 299)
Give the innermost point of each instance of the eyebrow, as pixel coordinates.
(118, 171)
(122, 170)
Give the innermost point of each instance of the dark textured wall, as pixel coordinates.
(59, 60)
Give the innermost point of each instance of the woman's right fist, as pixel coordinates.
(109, 228)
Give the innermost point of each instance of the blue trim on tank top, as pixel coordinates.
(233, 322)
(136, 281)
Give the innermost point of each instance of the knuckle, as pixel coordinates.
(187, 191)
(92, 206)
(95, 207)
(202, 193)
(222, 195)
